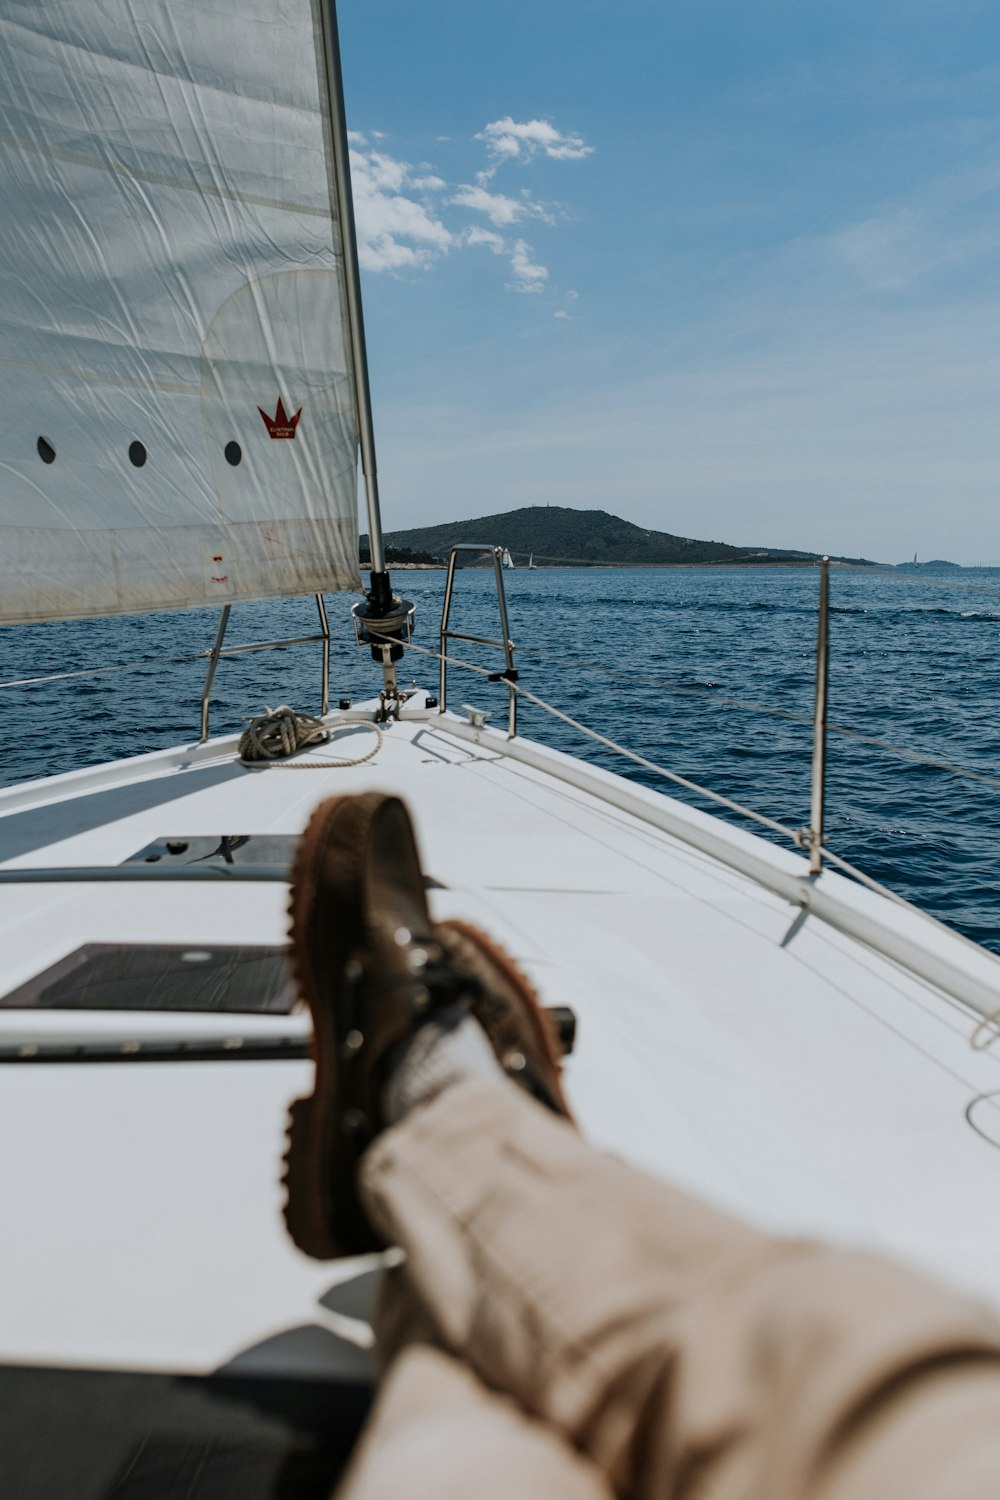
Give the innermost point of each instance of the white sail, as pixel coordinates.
(180, 417)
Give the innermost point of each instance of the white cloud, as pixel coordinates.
(528, 276)
(406, 215)
(497, 207)
(395, 230)
(561, 313)
(475, 235)
(835, 392)
(383, 172)
(513, 140)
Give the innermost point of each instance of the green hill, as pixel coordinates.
(556, 534)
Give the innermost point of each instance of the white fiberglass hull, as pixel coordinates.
(785, 1063)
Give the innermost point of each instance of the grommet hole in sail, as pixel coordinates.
(46, 452)
(137, 454)
(233, 453)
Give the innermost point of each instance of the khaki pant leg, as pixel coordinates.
(938, 1436)
(687, 1354)
(436, 1433)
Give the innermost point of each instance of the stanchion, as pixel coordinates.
(819, 722)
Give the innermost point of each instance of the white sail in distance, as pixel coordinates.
(180, 414)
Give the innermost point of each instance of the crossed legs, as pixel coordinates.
(564, 1324)
(594, 1331)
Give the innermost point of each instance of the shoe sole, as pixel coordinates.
(327, 1133)
(542, 1031)
(314, 1143)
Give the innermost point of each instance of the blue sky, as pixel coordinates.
(730, 270)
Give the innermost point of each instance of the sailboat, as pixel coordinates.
(531, 562)
(185, 392)
(505, 558)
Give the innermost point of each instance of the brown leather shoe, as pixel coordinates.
(369, 965)
(373, 968)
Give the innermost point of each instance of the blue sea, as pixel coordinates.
(709, 672)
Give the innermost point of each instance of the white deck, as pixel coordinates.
(762, 1057)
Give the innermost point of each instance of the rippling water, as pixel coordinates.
(677, 664)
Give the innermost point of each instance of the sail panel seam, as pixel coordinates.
(162, 179)
(99, 377)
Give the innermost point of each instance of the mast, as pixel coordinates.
(380, 597)
(383, 620)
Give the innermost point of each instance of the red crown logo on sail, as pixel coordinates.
(281, 425)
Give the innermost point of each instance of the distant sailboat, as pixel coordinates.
(531, 561)
(507, 560)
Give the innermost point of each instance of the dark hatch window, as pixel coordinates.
(181, 977)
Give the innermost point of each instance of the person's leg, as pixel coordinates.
(685, 1353)
(437, 1433)
(937, 1435)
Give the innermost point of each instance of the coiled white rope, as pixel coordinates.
(278, 733)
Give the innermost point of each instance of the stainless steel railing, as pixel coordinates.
(219, 650)
(814, 842)
(506, 645)
(811, 838)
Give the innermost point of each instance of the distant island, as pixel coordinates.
(558, 536)
(935, 565)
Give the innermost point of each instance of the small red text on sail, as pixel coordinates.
(281, 425)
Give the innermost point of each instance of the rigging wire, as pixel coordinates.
(749, 706)
(745, 705)
(918, 757)
(966, 773)
(126, 666)
(633, 755)
(797, 836)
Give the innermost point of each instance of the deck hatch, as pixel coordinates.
(154, 977)
(218, 849)
(266, 853)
